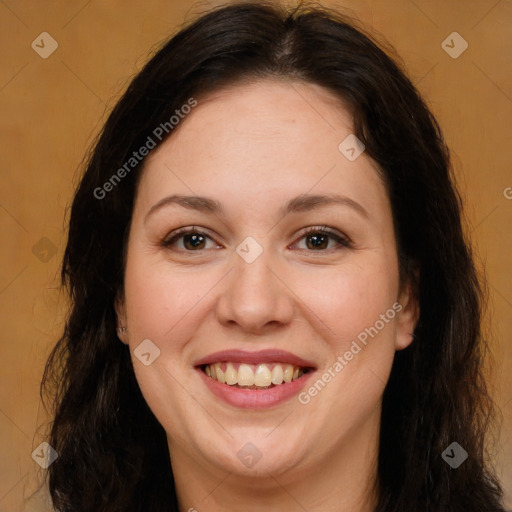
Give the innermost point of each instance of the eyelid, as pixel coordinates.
(342, 239)
(180, 232)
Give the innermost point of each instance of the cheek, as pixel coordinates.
(352, 298)
(159, 306)
(158, 298)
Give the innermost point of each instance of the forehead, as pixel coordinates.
(273, 110)
(252, 140)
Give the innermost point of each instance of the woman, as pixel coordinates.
(274, 306)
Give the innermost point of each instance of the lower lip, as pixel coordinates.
(255, 398)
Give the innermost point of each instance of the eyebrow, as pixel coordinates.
(307, 202)
(299, 204)
(198, 203)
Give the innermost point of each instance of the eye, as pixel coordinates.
(317, 239)
(192, 239)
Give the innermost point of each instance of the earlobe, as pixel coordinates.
(121, 329)
(121, 334)
(407, 319)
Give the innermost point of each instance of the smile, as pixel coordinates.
(254, 380)
(253, 376)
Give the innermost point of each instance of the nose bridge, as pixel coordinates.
(255, 296)
(253, 267)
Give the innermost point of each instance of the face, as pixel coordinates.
(278, 274)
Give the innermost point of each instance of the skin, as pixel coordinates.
(253, 147)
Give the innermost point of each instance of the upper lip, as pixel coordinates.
(262, 356)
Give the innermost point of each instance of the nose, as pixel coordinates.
(255, 296)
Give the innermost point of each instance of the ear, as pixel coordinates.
(120, 308)
(407, 317)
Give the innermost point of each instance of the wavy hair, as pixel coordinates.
(113, 453)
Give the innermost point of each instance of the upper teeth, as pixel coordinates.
(260, 375)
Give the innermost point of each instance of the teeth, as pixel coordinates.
(220, 374)
(277, 374)
(245, 375)
(288, 373)
(231, 374)
(253, 376)
(262, 376)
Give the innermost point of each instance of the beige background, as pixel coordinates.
(51, 108)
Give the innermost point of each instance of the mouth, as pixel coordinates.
(254, 379)
(254, 376)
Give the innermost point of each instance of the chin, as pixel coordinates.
(255, 455)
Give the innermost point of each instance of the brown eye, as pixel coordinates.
(317, 241)
(193, 241)
(188, 240)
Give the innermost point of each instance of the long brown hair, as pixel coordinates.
(113, 453)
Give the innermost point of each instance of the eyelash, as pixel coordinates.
(341, 240)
